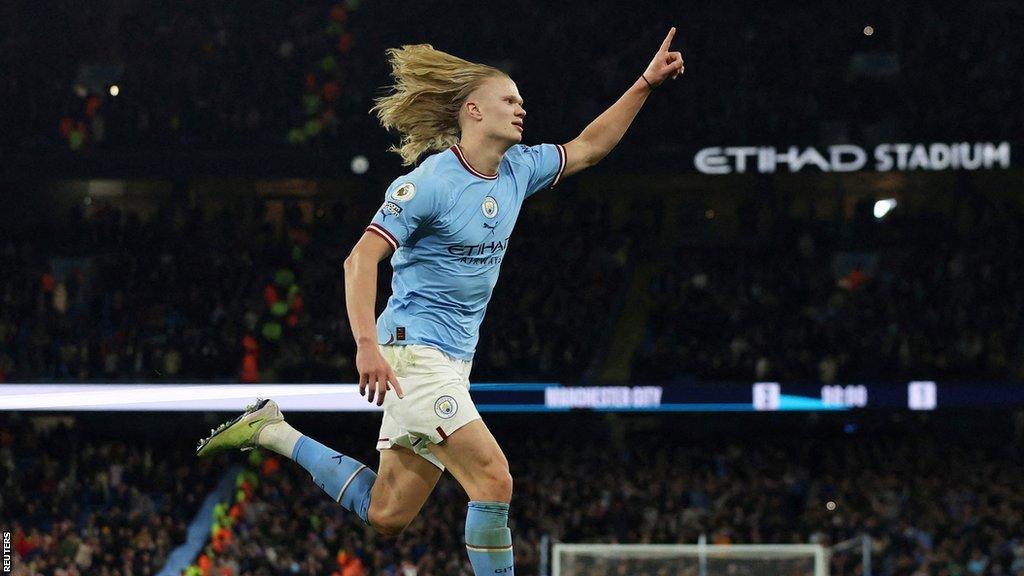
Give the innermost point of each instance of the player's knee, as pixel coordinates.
(387, 523)
(505, 482)
(499, 484)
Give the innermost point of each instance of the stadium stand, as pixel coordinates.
(934, 501)
(78, 505)
(227, 77)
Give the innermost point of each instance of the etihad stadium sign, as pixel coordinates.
(852, 158)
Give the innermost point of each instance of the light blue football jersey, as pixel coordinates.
(450, 227)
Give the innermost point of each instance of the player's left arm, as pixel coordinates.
(604, 133)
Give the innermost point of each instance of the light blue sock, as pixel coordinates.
(488, 539)
(346, 480)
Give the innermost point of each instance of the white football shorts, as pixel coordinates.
(436, 403)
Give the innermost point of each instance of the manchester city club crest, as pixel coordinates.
(490, 207)
(446, 407)
(404, 193)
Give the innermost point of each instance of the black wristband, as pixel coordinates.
(649, 85)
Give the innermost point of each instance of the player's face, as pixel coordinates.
(502, 109)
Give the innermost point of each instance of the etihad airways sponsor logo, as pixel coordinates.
(482, 253)
(851, 158)
(482, 249)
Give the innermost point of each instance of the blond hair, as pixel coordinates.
(423, 106)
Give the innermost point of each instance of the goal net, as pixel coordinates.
(689, 560)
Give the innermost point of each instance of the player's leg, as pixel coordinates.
(438, 421)
(474, 458)
(404, 481)
(262, 425)
(387, 501)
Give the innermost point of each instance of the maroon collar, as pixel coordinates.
(465, 164)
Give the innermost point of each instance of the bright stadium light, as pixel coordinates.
(115, 90)
(883, 207)
(360, 164)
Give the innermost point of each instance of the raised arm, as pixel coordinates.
(360, 299)
(604, 133)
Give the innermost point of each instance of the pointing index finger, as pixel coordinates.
(668, 39)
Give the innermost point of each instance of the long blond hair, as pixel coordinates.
(423, 106)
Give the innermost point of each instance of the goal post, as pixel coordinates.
(687, 559)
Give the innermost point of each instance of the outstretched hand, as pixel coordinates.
(665, 64)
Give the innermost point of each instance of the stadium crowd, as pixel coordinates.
(229, 290)
(183, 295)
(219, 76)
(934, 505)
(74, 505)
(186, 295)
(915, 296)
